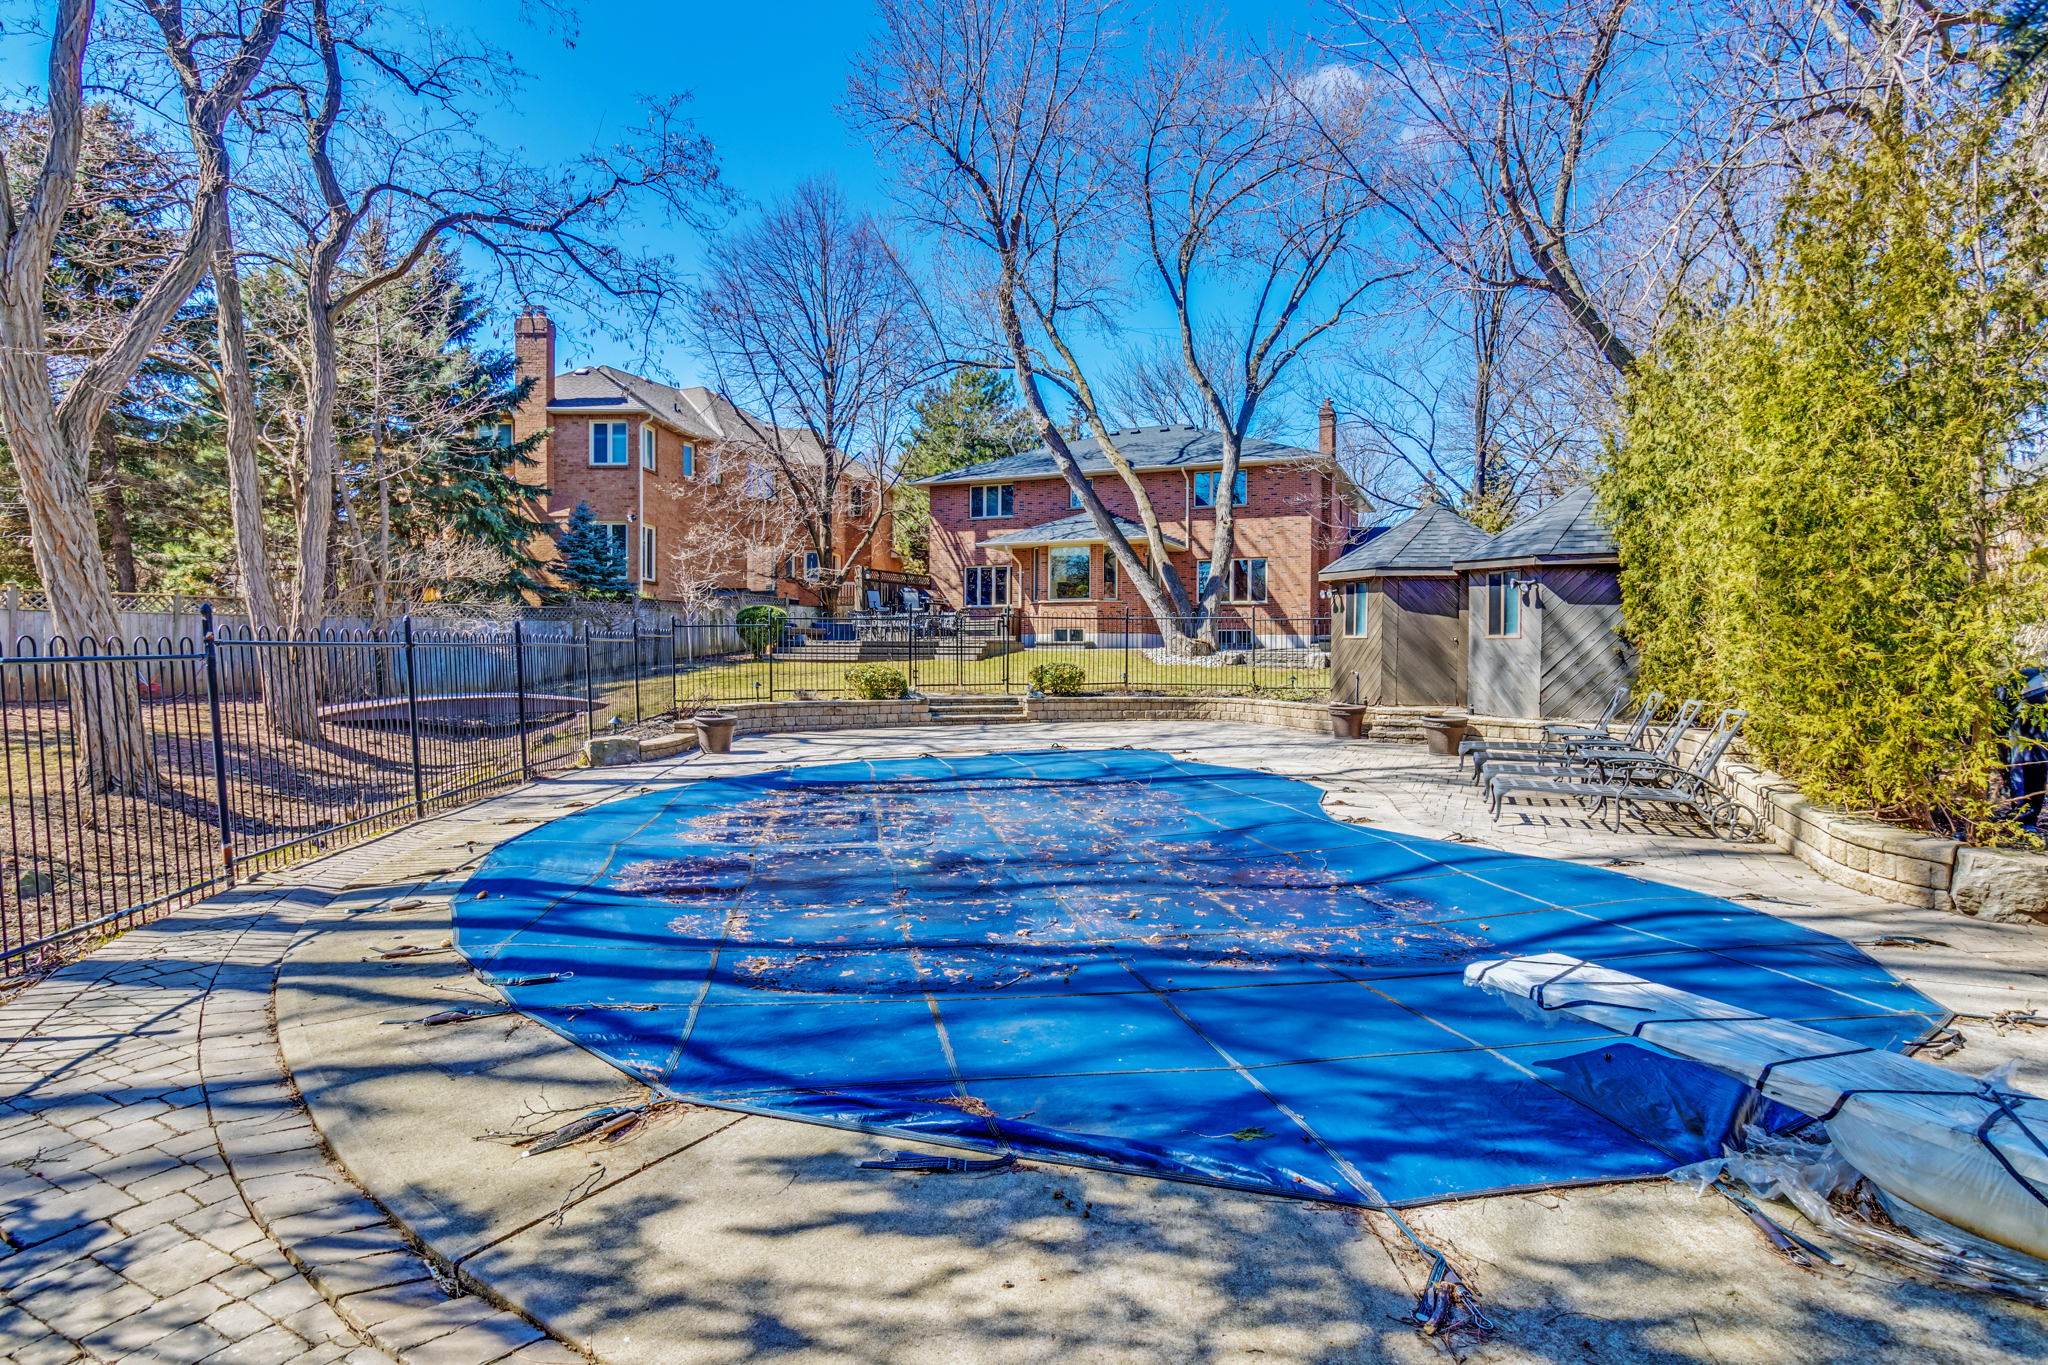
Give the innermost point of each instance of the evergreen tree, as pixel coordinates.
(973, 416)
(593, 562)
(1826, 495)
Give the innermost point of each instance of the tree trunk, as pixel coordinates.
(116, 752)
(120, 534)
(285, 674)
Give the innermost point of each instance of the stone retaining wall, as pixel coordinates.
(1905, 866)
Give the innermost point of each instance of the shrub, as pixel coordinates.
(877, 682)
(1813, 486)
(761, 628)
(1058, 680)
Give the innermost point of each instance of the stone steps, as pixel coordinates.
(976, 710)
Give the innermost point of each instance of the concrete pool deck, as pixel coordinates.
(714, 1237)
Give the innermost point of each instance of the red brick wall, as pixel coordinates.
(1293, 519)
(661, 498)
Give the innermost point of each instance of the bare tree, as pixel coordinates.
(817, 333)
(422, 175)
(1254, 223)
(50, 435)
(996, 112)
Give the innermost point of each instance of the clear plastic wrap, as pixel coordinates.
(1814, 1178)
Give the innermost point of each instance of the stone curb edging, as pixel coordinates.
(346, 1244)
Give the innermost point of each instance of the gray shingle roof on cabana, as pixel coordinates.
(1078, 529)
(1571, 530)
(1144, 447)
(1424, 545)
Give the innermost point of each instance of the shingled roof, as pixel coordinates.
(1144, 447)
(1572, 528)
(1078, 529)
(697, 410)
(1425, 544)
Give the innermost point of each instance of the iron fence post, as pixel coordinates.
(412, 724)
(519, 692)
(210, 647)
(637, 716)
(589, 688)
(675, 667)
(1126, 653)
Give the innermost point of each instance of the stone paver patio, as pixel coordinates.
(212, 1147)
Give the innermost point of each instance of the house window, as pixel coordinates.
(1503, 606)
(1236, 639)
(1069, 635)
(1205, 488)
(992, 500)
(497, 434)
(1108, 572)
(1201, 577)
(857, 502)
(760, 482)
(1073, 497)
(1354, 609)
(1247, 580)
(617, 530)
(689, 460)
(804, 565)
(608, 443)
(1069, 571)
(646, 446)
(988, 586)
(647, 560)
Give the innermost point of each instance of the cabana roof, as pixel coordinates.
(1571, 530)
(1425, 545)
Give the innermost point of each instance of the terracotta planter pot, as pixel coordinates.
(1443, 734)
(714, 733)
(1347, 722)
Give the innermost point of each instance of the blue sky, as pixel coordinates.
(766, 80)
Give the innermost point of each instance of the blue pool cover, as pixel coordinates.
(1122, 960)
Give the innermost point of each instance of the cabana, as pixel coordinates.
(1397, 634)
(1545, 602)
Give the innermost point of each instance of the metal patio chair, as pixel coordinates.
(1631, 781)
(1484, 752)
(1615, 705)
(1590, 754)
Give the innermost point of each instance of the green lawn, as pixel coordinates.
(1104, 670)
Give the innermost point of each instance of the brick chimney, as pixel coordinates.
(1326, 428)
(533, 357)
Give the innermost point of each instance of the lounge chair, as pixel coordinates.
(1598, 757)
(1559, 751)
(1635, 782)
(1600, 727)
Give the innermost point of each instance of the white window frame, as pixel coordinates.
(1503, 607)
(622, 531)
(1241, 488)
(689, 459)
(1241, 577)
(760, 482)
(1109, 580)
(803, 564)
(979, 494)
(1073, 498)
(1052, 582)
(648, 558)
(986, 585)
(608, 446)
(1357, 620)
(647, 446)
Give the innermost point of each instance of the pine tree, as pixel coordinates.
(970, 418)
(593, 562)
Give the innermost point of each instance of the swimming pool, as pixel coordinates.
(1123, 960)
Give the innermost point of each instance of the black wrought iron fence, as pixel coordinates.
(996, 651)
(140, 774)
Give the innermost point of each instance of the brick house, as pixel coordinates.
(1008, 535)
(658, 465)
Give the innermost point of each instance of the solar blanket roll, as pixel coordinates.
(1128, 961)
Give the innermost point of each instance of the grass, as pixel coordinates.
(1103, 670)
